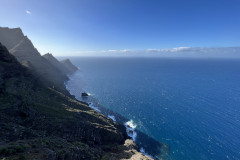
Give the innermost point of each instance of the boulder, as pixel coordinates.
(84, 94)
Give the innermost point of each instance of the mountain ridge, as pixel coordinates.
(64, 68)
(22, 48)
(68, 64)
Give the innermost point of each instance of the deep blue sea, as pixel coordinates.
(193, 105)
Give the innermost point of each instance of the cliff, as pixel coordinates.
(51, 59)
(25, 52)
(38, 122)
(68, 64)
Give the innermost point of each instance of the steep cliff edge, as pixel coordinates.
(25, 52)
(41, 123)
(51, 59)
(68, 64)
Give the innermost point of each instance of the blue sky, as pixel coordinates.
(77, 27)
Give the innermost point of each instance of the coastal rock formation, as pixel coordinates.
(38, 122)
(22, 48)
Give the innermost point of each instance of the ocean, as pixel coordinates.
(192, 105)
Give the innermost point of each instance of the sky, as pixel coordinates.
(94, 27)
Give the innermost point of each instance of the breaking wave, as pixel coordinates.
(93, 107)
(130, 127)
(112, 117)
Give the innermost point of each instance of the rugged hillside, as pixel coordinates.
(68, 64)
(41, 123)
(22, 48)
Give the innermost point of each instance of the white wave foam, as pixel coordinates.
(131, 124)
(112, 117)
(130, 127)
(93, 107)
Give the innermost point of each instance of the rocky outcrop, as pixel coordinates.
(38, 122)
(127, 151)
(68, 64)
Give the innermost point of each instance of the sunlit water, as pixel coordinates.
(191, 104)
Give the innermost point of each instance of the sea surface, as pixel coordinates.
(193, 105)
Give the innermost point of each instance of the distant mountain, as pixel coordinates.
(68, 64)
(51, 59)
(46, 69)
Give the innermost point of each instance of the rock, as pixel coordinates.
(84, 94)
(130, 144)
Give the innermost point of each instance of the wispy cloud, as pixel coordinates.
(172, 52)
(118, 51)
(28, 12)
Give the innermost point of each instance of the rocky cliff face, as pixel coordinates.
(22, 48)
(38, 122)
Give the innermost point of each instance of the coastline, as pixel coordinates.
(149, 147)
(40, 119)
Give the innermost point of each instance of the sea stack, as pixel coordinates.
(84, 94)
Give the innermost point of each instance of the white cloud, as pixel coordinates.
(118, 51)
(28, 12)
(180, 49)
(156, 50)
